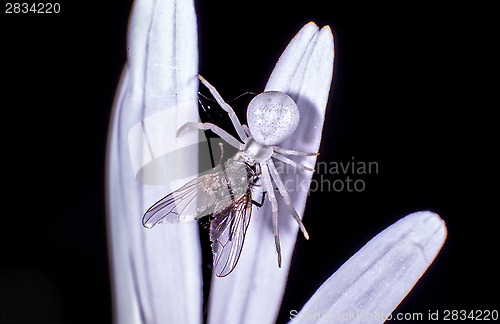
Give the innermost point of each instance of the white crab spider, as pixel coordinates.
(272, 117)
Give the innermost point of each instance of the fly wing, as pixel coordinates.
(213, 191)
(227, 233)
(195, 199)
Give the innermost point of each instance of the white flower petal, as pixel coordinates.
(252, 293)
(369, 286)
(156, 274)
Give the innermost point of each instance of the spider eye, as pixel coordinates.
(272, 117)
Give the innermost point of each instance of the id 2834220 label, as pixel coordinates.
(32, 8)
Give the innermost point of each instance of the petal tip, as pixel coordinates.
(311, 25)
(326, 29)
(429, 232)
(431, 220)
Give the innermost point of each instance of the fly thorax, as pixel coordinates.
(256, 152)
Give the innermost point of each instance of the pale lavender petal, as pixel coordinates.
(369, 286)
(252, 293)
(156, 273)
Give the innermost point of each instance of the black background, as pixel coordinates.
(409, 92)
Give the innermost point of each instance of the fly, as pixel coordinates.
(225, 193)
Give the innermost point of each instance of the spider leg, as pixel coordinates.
(221, 152)
(288, 202)
(268, 185)
(246, 129)
(234, 119)
(292, 152)
(216, 129)
(291, 162)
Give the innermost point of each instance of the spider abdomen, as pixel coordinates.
(272, 116)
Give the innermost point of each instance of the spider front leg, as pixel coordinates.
(288, 202)
(291, 162)
(247, 130)
(216, 129)
(234, 119)
(268, 185)
(292, 152)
